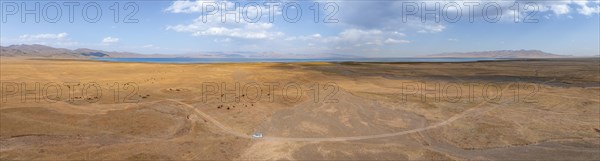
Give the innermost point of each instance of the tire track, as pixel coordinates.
(474, 111)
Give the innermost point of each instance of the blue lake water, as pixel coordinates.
(259, 60)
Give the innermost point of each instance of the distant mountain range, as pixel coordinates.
(41, 51)
(500, 54)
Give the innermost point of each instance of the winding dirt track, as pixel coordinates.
(475, 111)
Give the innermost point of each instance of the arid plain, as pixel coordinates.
(525, 109)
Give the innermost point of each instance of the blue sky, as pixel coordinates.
(358, 27)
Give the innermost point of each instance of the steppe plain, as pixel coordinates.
(516, 110)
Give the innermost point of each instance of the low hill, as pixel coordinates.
(501, 54)
(41, 51)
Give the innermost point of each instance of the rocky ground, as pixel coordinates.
(509, 110)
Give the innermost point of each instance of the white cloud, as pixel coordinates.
(304, 38)
(584, 7)
(218, 26)
(363, 24)
(369, 37)
(394, 41)
(243, 30)
(192, 6)
(224, 40)
(385, 15)
(431, 28)
(587, 10)
(560, 9)
(54, 39)
(214, 27)
(352, 39)
(109, 40)
(148, 46)
(198, 6)
(44, 37)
